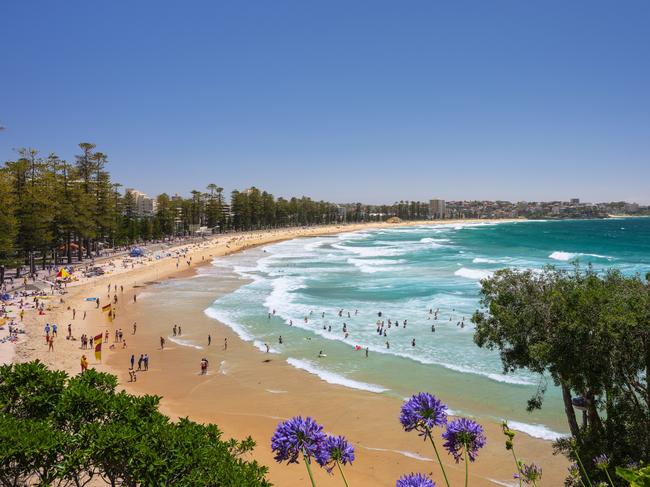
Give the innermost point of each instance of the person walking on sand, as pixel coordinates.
(140, 360)
(84, 363)
(146, 361)
(162, 343)
(225, 344)
(134, 327)
(135, 298)
(132, 361)
(84, 315)
(50, 341)
(209, 340)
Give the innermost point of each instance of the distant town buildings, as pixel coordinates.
(485, 209)
(144, 205)
(437, 209)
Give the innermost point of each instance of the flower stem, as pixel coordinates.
(516, 464)
(438, 456)
(342, 475)
(582, 467)
(307, 462)
(609, 478)
(466, 467)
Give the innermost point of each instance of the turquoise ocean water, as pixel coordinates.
(404, 273)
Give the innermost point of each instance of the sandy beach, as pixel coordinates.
(247, 391)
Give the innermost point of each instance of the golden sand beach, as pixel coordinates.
(246, 391)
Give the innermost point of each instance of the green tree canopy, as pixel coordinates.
(590, 334)
(60, 430)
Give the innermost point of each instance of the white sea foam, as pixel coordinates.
(371, 266)
(535, 430)
(435, 242)
(566, 256)
(262, 348)
(227, 320)
(405, 453)
(383, 251)
(503, 482)
(184, 343)
(332, 377)
(482, 260)
(222, 367)
(508, 379)
(476, 274)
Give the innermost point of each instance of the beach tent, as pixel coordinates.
(5, 297)
(62, 274)
(136, 252)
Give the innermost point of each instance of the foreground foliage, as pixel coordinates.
(590, 334)
(60, 430)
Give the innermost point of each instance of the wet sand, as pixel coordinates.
(246, 391)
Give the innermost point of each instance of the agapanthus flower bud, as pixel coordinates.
(601, 462)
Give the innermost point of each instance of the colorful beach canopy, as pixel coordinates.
(136, 252)
(62, 274)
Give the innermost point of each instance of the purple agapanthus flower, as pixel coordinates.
(464, 435)
(601, 462)
(415, 480)
(574, 471)
(422, 413)
(334, 449)
(296, 437)
(530, 474)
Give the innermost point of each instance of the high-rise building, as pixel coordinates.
(437, 208)
(144, 206)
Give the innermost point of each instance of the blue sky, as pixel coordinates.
(341, 100)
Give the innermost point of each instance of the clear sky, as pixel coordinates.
(341, 100)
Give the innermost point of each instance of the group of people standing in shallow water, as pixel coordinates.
(382, 325)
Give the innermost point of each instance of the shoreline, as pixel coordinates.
(250, 395)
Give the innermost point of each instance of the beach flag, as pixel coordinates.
(63, 274)
(98, 347)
